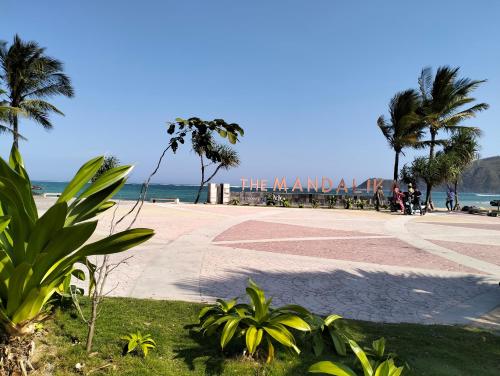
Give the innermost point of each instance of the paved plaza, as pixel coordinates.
(437, 268)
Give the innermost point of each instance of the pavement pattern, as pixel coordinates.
(384, 267)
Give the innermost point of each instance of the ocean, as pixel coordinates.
(187, 193)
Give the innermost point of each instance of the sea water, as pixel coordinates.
(187, 193)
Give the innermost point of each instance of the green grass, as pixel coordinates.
(430, 350)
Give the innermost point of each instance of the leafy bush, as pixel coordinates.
(360, 204)
(314, 203)
(285, 203)
(270, 199)
(257, 322)
(137, 341)
(332, 201)
(348, 202)
(379, 367)
(234, 201)
(330, 329)
(38, 254)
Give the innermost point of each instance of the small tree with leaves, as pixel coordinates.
(212, 154)
(432, 171)
(461, 150)
(109, 163)
(178, 131)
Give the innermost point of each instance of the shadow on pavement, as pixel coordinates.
(366, 295)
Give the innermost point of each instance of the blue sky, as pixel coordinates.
(305, 79)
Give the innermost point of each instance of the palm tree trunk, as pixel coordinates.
(202, 182)
(428, 195)
(456, 196)
(396, 166)
(15, 130)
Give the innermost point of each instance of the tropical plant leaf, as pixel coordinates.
(363, 359)
(253, 339)
(331, 368)
(292, 321)
(117, 243)
(228, 331)
(81, 178)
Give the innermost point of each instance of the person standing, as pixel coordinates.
(379, 198)
(450, 197)
(398, 199)
(417, 204)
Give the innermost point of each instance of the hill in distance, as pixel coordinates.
(483, 176)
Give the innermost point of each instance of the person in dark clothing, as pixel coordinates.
(417, 205)
(379, 198)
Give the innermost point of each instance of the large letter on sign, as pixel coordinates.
(324, 189)
(310, 185)
(342, 186)
(243, 183)
(297, 185)
(281, 185)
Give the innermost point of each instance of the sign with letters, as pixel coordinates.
(311, 185)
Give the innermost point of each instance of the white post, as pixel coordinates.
(226, 193)
(212, 193)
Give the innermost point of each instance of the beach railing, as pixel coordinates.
(52, 194)
(173, 200)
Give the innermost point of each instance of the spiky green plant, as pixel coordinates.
(37, 254)
(137, 341)
(257, 321)
(379, 367)
(330, 328)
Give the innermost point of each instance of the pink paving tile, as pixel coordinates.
(376, 251)
(254, 230)
(482, 226)
(488, 253)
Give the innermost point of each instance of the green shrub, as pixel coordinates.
(382, 366)
(327, 330)
(360, 204)
(314, 203)
(234, 201)
(257, 322)
(136, 342)
(332, 201)
(270, 199)
(348, 202)
(38, 254)
(285, 203)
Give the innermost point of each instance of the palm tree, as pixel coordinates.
(30, 77)
(404, 129)
(462, 149)
(221, 156)
(5, 112)
(444, 97)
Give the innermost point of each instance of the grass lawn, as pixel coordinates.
(430, 350)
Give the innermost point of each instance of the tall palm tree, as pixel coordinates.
(404, 128)
(445, 100)
(30, 78)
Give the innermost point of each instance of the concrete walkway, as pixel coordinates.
(360, 264)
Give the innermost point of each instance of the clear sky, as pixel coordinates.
(305, 79)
